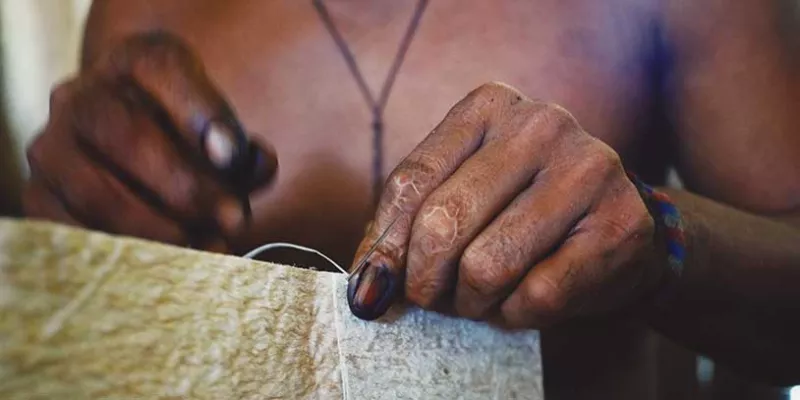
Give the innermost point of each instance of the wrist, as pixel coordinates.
(669, 244)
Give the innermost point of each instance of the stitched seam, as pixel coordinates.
(337, 325)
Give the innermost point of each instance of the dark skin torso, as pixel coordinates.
(283, 74)
(290, 86)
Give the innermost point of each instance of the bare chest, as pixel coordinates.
(291, 86)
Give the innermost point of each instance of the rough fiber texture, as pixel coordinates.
(88, 315)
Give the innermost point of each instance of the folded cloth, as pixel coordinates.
(90, 315)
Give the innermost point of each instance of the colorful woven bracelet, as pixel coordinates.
(668, 221)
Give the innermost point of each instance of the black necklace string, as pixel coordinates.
(376, 106)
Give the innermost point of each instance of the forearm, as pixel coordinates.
(738, 299)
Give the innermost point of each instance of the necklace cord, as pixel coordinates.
(376, 107)
(401, 54)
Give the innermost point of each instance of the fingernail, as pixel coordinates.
(220, 146)
(230, 216)
(263, 165)
(370, 291)
(217, 246)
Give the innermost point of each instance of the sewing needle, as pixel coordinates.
(374, 246)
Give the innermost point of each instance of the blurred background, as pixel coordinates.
(40, 46)
(41, 42)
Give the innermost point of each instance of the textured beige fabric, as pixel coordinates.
(88, 315)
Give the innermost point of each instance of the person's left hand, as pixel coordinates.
(508, 211)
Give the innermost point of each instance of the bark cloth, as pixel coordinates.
(90, 315)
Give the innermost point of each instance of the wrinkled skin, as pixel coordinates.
(516, 213)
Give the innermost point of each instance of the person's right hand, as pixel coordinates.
(143, 144)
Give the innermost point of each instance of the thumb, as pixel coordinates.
(373, 283)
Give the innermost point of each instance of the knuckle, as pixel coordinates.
(489, 89)
(49, 142)
(46, 152)
(408, 183)
(544, 297)
(497, 89)
(546, 121)
(481, 272)
(609, 160)
(61, 94)
(496, 93)
(441, 224)
(423, 292)
(553, 111)
(436, 236)
(556, 116)
(400, 194)
(604, 161)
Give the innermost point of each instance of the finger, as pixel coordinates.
(128, 144)
(169, 74)
(523, 234)
(568, 282)
(38, 200)
(97, 199)
(459, 209)
(468, 126)
(549, 292)
(39, 203)
(216, 245)
(459, 135)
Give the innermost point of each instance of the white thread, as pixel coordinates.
(270, 246)
(337, 323)
(335, 291)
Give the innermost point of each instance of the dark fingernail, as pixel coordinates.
(216, 246)
(370, 291)
(261, 165)
(220, 146)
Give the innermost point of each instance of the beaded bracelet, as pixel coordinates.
(669, 223)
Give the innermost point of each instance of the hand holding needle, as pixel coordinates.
(370, 291)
